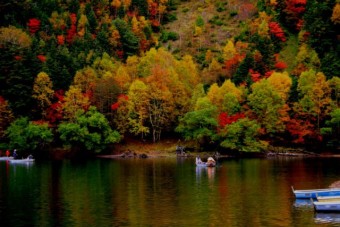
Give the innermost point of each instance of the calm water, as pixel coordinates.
(164, 192)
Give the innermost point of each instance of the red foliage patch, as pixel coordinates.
(18, 57)
(42, 58)
(277, 31)
(33, 25)
(300, 130)
(255, 76)
(55, 111)
(224, 119)
(61, 39)
(121, 97)
(281, 65)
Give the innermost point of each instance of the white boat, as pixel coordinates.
(210, 163)
(313, 193)
(333, 206)
(24, 160)
(5, 158)
(328, 198)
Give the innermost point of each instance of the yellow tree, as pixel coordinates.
(85, 79)
(336, 14)
(74, 100)
(138, 102)
(122, 78)
(12, 36)
(229, 50)
(314, 93)
(42, 91)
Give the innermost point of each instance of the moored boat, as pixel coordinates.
(313, 193)
(328, 198)
(5, 158)
(327, 206)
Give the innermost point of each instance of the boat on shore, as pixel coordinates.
(313, 193)
(333, 206)
(6, 158)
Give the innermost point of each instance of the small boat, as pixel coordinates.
(313, 193)
(24, 160)
(328, 198)
(327, 206)
(5, 158)
(209, 163)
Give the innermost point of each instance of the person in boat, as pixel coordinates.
(198, 160)
(8, 153)
(15, 155)
(211, 161)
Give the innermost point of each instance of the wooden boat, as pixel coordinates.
(313, 193)
(5, 158)
(24, 160)
(328, 198)
(327, 206)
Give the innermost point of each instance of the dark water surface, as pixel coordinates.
(164, 192)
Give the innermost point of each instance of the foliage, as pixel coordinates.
(90, 131)
(26, 135)
(242, 135)
(200, 124)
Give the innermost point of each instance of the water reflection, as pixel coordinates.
(327, 218)
(162, 192)
(303, 203)
(202, 172)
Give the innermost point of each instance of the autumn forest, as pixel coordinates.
(240, 75)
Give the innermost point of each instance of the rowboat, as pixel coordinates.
(313, 193)
(328, 198)
(327, 206)
(25, 160)
(5, 158)
(210, 162)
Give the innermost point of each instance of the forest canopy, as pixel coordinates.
(239, 75)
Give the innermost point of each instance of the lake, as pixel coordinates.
(164, 192)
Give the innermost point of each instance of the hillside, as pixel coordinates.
(233, 75)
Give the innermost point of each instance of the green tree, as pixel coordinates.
(266, 102)
(199, 125)
(242, 135)
(25, 135)
(90, 131)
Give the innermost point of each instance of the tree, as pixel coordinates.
(200, 124)
(25, 135)
(74, 100)
(90, 131)
(336, 14)
(242, 135)
(42, 91)
(266, 102)
(138, 108)
(6, 116)
(314, 93)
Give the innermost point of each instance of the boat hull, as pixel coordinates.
(5, 158)
(327, 206)
(22, 160)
